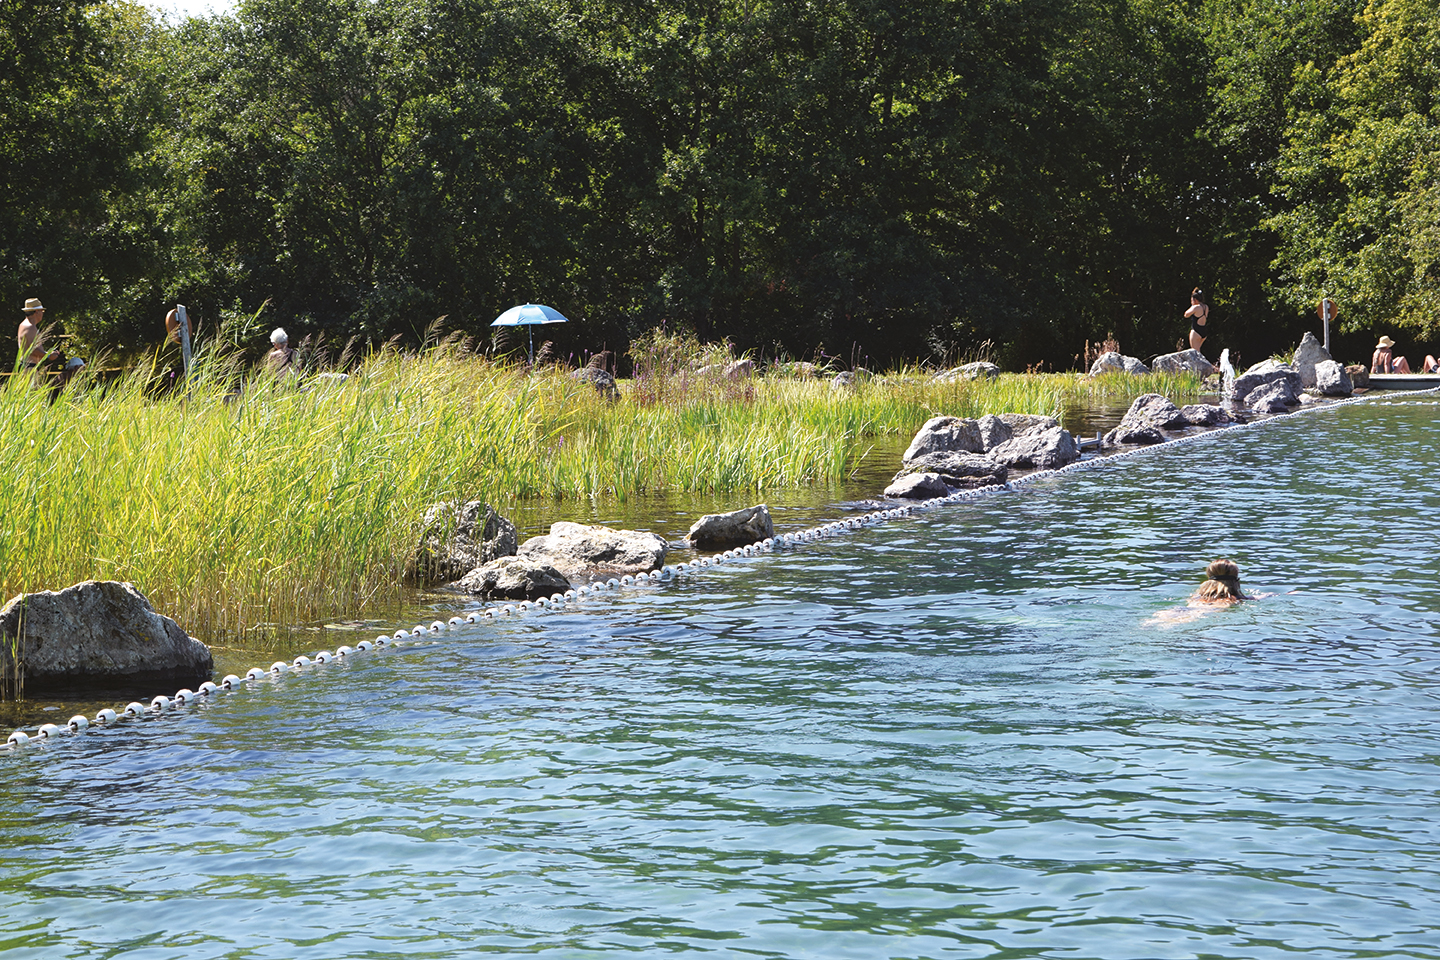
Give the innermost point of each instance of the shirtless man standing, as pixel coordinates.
(29, 336)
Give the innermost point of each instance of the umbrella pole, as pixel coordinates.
(531, 328)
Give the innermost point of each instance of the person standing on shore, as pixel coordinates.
(30, 337)
(281, 358)
(1199, 317)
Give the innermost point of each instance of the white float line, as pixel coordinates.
(136, 710)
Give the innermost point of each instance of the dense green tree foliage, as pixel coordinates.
(870, 179)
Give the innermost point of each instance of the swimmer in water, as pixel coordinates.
(1220, 589)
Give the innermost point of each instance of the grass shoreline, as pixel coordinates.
(285, 506)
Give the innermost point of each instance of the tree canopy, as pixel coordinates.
(874, 181)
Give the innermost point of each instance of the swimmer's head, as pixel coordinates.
(1222, 584)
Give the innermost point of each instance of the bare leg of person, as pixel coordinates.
(1195, 340)
(1402, 365)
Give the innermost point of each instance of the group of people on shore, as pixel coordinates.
(34, 356)
(1385, 360)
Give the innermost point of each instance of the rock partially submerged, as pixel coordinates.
(918, 486)
(457, 537)
(1265, 372)
(1041, 449)
(735, 529)
(1332, 380)
(578, 550)
(514, 578)
(1149, 416)
(96, 634)
(1308, 355)
(958, 469)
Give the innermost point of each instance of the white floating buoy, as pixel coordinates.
(208, 687)
(134, 708)
(324, 656)
(627, 580)
(382, 641)
(437, 627)
(542, 602)
(364, 645)
(344, 650)
(400, 634)
(105, 716)
(456, 622)
(472, 618)
(279, 667)
(48, 730)
(612, 584)
(161, 703)
(570, 594)
(418, 631)
(184, 696)
(78, 723)
(523, 606)
(18, 739)
(254, 673)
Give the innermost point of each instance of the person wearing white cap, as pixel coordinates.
(1384, 359)
(30, 337)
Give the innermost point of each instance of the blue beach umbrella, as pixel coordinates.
(528, 315)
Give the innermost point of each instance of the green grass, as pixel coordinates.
(286, 506)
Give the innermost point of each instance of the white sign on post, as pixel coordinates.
(1327, 311)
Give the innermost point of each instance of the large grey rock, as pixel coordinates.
(1145, 422)
(844, 380)
(958, 468)
(1041, 449)
(734, 529)
(457, 537)
(918, 486)
(577, 549)
(601, 380)
(1332, 380)
(1276, 396)
(980, 370)
(514, 578)
(1267, 371)
(96, 634)
(1186, 361)
(1159, 410)
(945, 435)
(1116, 363)
(1204, 415)
(1307, 355)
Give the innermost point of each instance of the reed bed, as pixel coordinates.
(282, 505)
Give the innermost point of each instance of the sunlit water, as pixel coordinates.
(957, 735)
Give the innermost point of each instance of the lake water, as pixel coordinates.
(960, 734)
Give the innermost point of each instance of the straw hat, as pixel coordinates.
(1385, 343)
(32, 305)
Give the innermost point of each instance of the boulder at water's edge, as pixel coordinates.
(97, 634)
(577, 550)
(735, 529)
(514, 578)
(457, 537)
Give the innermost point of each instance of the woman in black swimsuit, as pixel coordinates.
(1199, 314)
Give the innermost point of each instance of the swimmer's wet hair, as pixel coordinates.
(1223, 581)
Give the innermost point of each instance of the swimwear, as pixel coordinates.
(1202, 331)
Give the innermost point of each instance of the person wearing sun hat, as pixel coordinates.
(30, 336)
(1385, 361)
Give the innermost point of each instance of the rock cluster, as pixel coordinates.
(96, 634)
(1112, 362)
(964, 453)
(1151, 415)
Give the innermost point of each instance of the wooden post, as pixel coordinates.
(1327, 312)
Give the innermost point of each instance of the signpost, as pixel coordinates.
(182, 318)
(1327, 312)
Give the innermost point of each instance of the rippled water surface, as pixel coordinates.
(957, 735)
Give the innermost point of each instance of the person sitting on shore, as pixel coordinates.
(1432, 364)
(1384, 359)
(281, 358)
(1222, 584)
